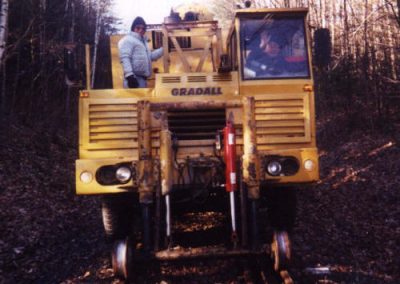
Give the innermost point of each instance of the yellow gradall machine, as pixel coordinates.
(215, 122)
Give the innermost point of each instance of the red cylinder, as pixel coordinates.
(230, 157)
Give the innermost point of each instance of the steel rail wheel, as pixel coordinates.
(121, 258)
(281, 250)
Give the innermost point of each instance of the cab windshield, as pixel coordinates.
(273, 47)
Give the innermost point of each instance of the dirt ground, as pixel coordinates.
(348, 224)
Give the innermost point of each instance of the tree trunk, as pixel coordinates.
(43, 56)
(374, 66)
(3, 42)
(391, 45)
(3, 89)
(333, 23)
(14, 89)
(346, 28)
(323, 18)
(70, 7)
(366, 65)
(3, 28)
(96, 43)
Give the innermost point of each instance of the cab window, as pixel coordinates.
(273, 47)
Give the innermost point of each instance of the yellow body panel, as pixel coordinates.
(91, 166)
(284, 114)
(302, 154)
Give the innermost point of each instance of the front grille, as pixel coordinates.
(113, 123)
(281, 120)
(196, 124)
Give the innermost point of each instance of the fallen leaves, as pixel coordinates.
(349, 222)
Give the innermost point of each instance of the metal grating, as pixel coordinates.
(281, 120)
(196, 124)
(222, 78)
(171, 79)
(196, 79)
(113, 123)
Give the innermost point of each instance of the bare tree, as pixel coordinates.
(365, 46)
(3, 42)
(43, 52)
(396, 12)
(3, 27)
(96, 41)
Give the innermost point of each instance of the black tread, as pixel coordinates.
(281, 204)
(118, 214)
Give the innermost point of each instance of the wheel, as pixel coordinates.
(281, 205)
(121, 258)
(281, 250)
(118, 213)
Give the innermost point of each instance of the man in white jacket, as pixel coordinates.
(136, 56)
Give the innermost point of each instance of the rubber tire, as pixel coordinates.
(118, 214)
(281, 204)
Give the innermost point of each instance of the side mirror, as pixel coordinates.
(224, 64)
(322, 47)
(70, 65)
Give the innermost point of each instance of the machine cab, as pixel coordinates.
(265, 46)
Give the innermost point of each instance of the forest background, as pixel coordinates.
(357, 99)
(360, 81)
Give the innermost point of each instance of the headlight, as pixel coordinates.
(275, 165)
(290, 166)
(274, 168)
(115, 174)
(309, 165)
(123, 174)
(86, 177)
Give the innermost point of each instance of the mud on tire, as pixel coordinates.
(118, 214)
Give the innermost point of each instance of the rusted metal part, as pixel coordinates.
(190, 25)
(145, 182)
(180, 253)
(157, 216)
(163, 117)
(243, 211)
(134, 166)
(212, 104)
(286, 277)
(171, 33)
(186, 65)
(166, 170)
(156, 173)
(145, 161)
(183, 25)
(251, 167)
(166, 57)
(255, 238)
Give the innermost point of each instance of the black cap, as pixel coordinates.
(138, 21)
